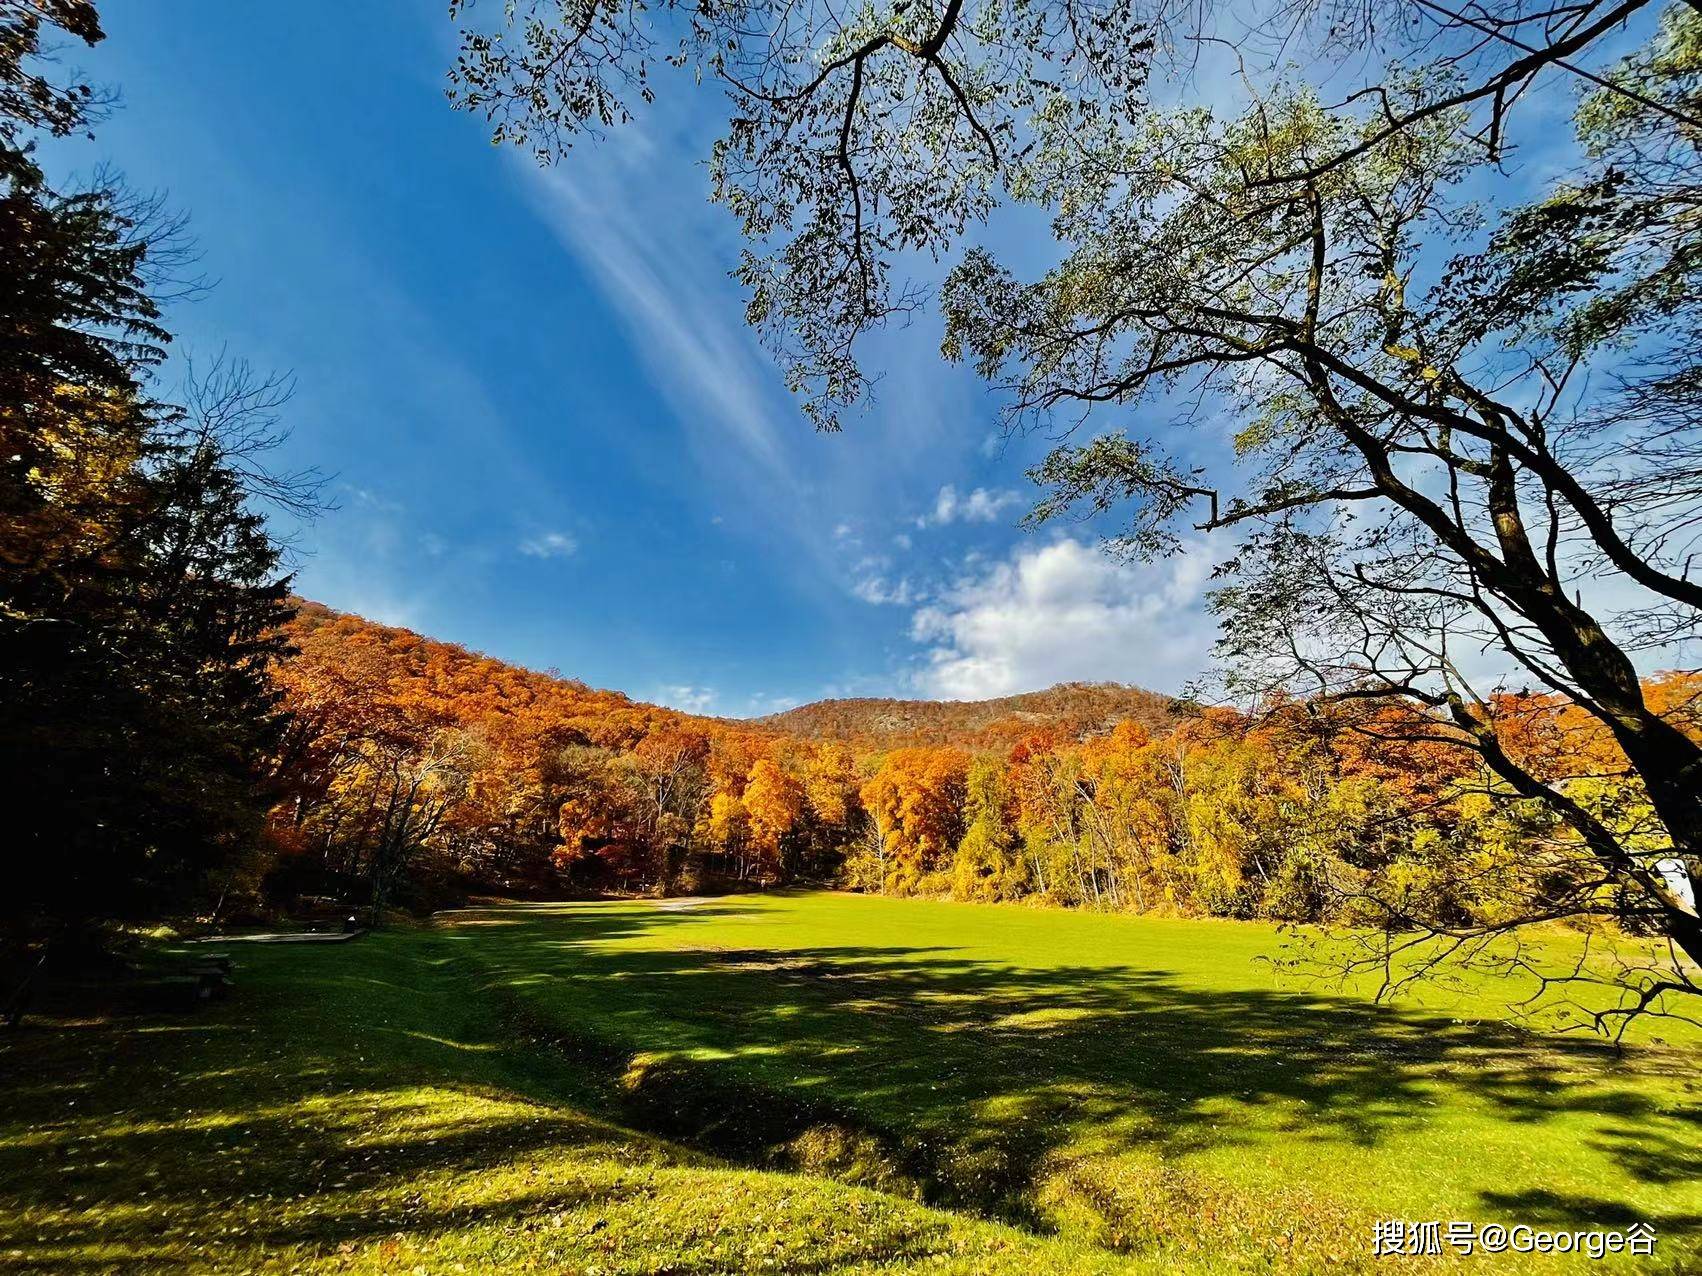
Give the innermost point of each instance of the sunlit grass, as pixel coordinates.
(1142, 1083)
(770, 1083)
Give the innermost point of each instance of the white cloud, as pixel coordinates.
(1065, 612)
(549, 545)
(686, 698)
(737, 432)
(979, 506)
(878, 590)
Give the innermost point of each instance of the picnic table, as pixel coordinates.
(207, 976)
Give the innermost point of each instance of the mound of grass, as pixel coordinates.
(356, 1108)
(1144, 1085)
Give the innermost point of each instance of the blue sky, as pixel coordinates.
(553, 438)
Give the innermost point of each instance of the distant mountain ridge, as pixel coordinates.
(457, 680)
(1073, 709)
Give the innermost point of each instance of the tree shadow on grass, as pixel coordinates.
(347, 1102)
(345, 1091)
(973, 1075)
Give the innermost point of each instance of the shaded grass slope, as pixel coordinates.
(356, 1108)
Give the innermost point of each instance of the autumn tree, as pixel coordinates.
(836, 814)
(1128, 816)
(988, 864)
(726, 826)
(915, 801)
(668, 774)
(774, 804)
(1045, 778)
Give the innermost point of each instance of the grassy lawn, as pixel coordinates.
(355, 1108)
(811, 1083)
(1142, 1083)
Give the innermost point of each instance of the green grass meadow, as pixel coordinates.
(817, 1082)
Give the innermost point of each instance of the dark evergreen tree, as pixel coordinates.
(141, 595)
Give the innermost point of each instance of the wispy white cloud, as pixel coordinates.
(366, 563)
(686, 327)
(549, 545)
(1064, 612)
(367, 498)
(686, 698)
(659, 255)
(982, 505)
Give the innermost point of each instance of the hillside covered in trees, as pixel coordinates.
(416, 771)
(1071, 709)
(417, 761)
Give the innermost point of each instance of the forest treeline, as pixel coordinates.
(415, 771)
